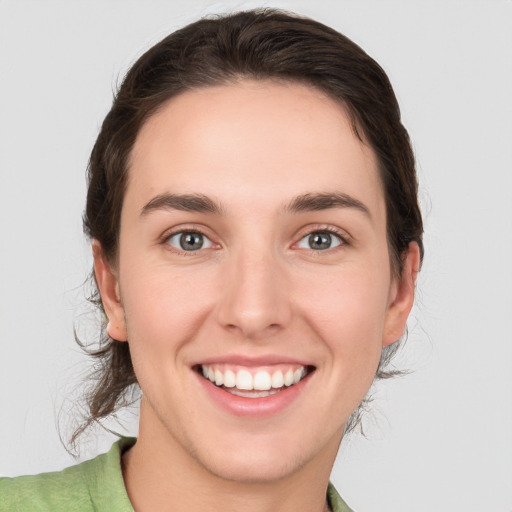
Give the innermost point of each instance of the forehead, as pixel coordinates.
(252, 140)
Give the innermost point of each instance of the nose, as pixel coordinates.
(255, 301)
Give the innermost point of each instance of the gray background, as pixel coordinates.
(439, 439)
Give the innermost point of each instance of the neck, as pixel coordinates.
(162, 475)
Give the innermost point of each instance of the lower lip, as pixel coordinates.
(254, 407)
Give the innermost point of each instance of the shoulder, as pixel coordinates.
(96, 485)
(336, 503)
(48, 491)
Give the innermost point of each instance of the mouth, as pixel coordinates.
(254, 382)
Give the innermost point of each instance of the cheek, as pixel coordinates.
(163, 314)
(164, 307)
(348, 310)
(344, 311)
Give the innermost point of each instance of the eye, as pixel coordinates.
(189, 241)
(320, 241)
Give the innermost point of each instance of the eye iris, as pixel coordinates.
(191, 241)
(320, 240)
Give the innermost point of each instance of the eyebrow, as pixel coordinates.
(302, 203)
(325, 201)
(184, 202)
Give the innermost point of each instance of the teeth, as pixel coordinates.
(297, 375)
(262, 381)
(278, 379)
(253, 394)
(243, 380)
(229, 379)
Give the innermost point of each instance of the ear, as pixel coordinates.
(402, 296)
(108, 284)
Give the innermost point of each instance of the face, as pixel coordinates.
(253, 280)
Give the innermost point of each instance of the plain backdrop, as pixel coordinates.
(439, 440)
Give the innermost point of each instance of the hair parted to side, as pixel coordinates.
(257, 44)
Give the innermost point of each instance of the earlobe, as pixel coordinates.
(403, 296)
(108, 285)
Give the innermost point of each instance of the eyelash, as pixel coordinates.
(329, 230)
(185, 231)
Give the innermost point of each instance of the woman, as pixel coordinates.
(256, 235)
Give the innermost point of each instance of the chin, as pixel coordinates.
(265, 458)
(253, 470)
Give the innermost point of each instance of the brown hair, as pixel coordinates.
(259, 44)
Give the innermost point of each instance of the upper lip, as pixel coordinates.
(251, 361)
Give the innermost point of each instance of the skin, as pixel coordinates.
(257, 290)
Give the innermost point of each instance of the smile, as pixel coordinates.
(254, 382)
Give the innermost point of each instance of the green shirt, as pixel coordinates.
(93, 486)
